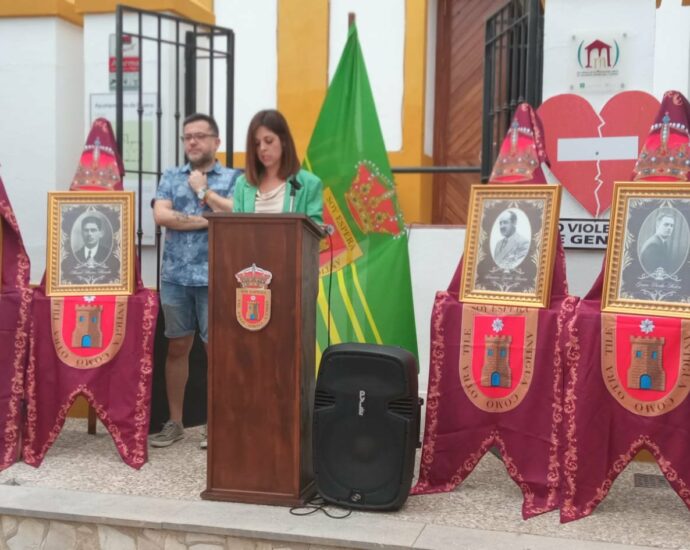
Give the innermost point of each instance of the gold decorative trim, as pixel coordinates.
(618, 388)
(67, 356)
(674, 477)
(541, 255)
(424, 484)
(122, 203)
(529, 346)
(611, 300)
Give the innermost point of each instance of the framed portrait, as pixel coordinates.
(510, 244)
(647, 269)
(90, 243)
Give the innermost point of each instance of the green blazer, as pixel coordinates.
(308, 199)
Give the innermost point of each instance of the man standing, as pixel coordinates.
(655, 252)
(513, 247)
(184, 194)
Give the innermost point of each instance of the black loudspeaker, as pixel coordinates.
(366, 425)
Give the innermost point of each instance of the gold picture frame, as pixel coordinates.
(90, 243)
(510, 244)
(647, 269)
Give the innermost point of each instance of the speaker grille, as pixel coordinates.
(323, 399)
(404, 407)
(366, 425)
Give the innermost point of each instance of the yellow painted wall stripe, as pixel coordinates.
(197, 10)
(348, 307)
(365, 305)
(64, 9)
(302, 65)
(323, 308)
(414, 190)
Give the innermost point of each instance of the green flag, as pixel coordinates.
(370, 288)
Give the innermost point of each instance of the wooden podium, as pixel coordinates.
(261, 383)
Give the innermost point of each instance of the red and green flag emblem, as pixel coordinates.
(366, 258)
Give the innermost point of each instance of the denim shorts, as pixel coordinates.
(184, 308)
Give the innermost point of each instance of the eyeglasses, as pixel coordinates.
(198, 137)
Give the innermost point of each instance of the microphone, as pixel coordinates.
(328, 229)
(295, 185)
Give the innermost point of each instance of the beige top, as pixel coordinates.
(271, 202)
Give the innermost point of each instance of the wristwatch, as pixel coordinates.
(201, 193)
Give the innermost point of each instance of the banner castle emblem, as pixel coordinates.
(497, 355)
(645, 362)
(253, 299)
(88, 331)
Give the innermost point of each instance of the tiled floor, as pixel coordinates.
(488, 500)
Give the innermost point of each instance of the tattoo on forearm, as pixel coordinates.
(181, 217)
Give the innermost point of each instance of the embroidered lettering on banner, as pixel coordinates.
(645, 362)
(497, 355)
(88, 331)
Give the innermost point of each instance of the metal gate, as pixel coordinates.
(167, 67)
(512, 71)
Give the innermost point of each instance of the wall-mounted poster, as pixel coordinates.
(647, 269)
(90, 243)
(510, 244)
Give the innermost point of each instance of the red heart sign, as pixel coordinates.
(589, 151)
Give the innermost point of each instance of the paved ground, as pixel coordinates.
(486, 505)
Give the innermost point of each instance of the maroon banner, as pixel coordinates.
(628, 376)
(496, 373)
(618, 407)
(465, 417)
(15, 305)
(98, 347)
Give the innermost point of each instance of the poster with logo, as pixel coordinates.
(598, 62)
(131, 62)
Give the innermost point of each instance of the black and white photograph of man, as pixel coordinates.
(665, 250)
(510, 238)
(88, 257)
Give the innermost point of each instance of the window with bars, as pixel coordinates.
(512, 71)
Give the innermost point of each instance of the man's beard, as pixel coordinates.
(204, 160)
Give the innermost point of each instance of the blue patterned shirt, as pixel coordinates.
(185, 254)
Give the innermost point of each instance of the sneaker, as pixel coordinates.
(172, 431)
(204, 437)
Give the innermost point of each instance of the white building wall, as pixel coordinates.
(672, 49)
(381, 31)
(564, 19)
(41, 100)
(255, 25)
(434, 255)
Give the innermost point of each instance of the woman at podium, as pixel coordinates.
(273, 181)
